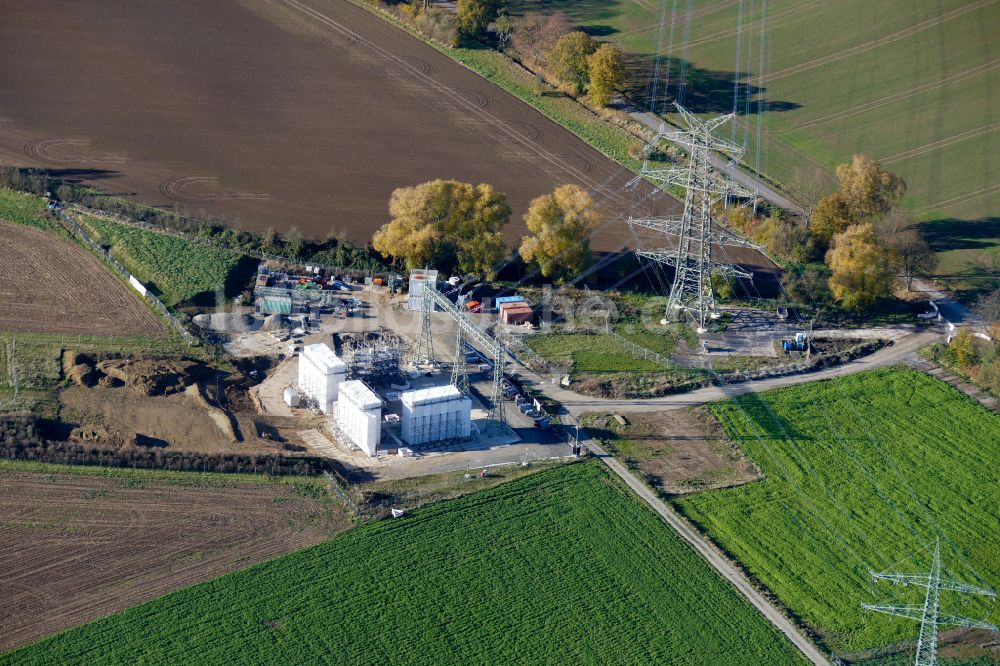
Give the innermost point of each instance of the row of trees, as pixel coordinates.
(865, 242)
(571, 57)
(459, 227)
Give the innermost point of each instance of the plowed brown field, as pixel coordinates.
(48, 284)
(284, 113)
(76, 548)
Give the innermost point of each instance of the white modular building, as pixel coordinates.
(320, 374)
(434, 414)
(419, 280)
(359, 415)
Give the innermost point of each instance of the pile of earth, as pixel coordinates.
(145, 377)
(227, 322)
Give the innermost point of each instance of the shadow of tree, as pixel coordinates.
(703, 90)
(766, 420)
(955, 234)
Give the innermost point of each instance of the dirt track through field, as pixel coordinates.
(304, 113)
(77, 548)
(49, 284)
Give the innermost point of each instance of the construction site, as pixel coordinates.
(394, 384)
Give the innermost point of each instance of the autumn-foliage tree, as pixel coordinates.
(560, 225)
(866, 196)
(860, 271)
(606, 71)
(830, 217)
(568, 59)
(447, 224)
(475, 15)
(868, 190)
(504, 29)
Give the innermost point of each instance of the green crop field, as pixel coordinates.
(564, 566)
(24, 209)
(176, 269)
(860, 471)
(911, 83)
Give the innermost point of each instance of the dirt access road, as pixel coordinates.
(902, 350)
(304, 113)
(48, 284)
(77, 547)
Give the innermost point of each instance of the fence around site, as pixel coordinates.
(155, 302)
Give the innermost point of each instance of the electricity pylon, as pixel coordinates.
(929, 614)
(423, 346)
(460, 370)
(689, 239)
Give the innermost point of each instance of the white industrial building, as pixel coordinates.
(359, 415)
(320, 373)
(420, 279)
(434, 414)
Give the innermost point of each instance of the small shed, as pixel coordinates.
(516, 313)
(291, 397)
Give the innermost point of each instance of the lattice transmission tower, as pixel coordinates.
(689, 240)
(460, 370)
(929, 615)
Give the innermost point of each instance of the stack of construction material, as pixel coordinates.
(435, 414)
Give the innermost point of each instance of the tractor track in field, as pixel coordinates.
(175, 189)
(898, 97)
(947, 141)
(77, 547)
(516, 147)
(875, 43)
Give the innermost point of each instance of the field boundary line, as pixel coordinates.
(874, 44)
(703, 547)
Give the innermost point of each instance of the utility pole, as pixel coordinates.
(929, 615)
(689, 239)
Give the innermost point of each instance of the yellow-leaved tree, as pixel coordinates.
(607, 73)
(860, 270)
(560, 224)
(568, 59)
(830, 217)
(868, 190)
(446, 224)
